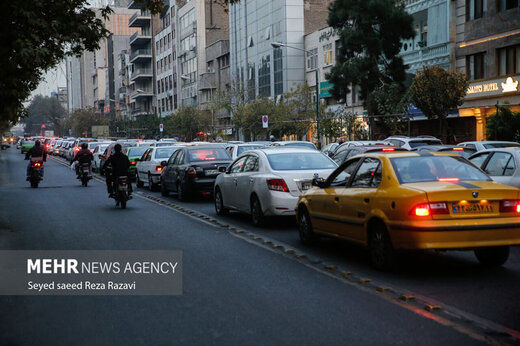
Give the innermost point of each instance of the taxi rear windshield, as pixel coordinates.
(416, 169)
(208, 154)
(501, 145)
(300, 161)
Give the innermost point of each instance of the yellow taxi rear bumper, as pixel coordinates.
(455, 234)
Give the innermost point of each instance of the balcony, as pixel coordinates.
(140, 19)
(134, 5)
(141, 93)
(434, 55)
(207, 81)
(141, 73)
(141, 55)
(140, 39)
(413, 6)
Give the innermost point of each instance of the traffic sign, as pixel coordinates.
(161, 128)
(265, 121)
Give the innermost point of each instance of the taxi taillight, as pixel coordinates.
(159, 168)
(427, 209)
(510, 206)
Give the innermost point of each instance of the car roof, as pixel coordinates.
(395, 154)
(509, 150)
(285, 149)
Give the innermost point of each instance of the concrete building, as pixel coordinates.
(74, 90)
(122, 91)
(116, 46)
(198, 24)
(141, 59)
(165, 61)
(264, 71)
(488, 51)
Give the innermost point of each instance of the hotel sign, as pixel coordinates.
(495, 87)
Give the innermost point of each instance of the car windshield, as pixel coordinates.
(501, 145)
(300, 161)
(164, 144)
(164, 153)
(300, 144)
(415, 144)
(243, 148)
(137, 151)
(208, 154)
(415, 169)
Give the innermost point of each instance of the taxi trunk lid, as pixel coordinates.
(466, 199)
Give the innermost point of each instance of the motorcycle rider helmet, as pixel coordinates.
(118, 148)
(84, 146)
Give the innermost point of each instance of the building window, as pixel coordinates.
(476, 66)
(223, 61)
(327, 54)
(251, 92)
(475, 9)
(278, 71)
(508, 60)
(264, 77)
(312, 59)
(504, 5)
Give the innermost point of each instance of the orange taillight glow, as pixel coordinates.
(159, 168)
(37, 164)
(458, 149)
(422, 210)
(388, 149)
(448, 180)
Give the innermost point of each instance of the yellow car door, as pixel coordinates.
(325, 203)
(356, 199)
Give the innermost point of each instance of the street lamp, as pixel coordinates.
(278, 45)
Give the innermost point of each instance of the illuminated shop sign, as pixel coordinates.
(495, 87)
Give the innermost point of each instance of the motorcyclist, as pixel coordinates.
(119, 163)
(82, 156)
(36, 151)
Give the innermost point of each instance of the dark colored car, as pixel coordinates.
(342, 154)
(109, 151)
(192, 170)
(464, 152)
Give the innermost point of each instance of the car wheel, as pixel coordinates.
(220, 209)
(138, 181)
(181, 193)
(492, 256)
(307, 235)
(257, 216)
(164, 190)
(381, 251)
(151, 186)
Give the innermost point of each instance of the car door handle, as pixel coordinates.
(367, 200)
(251, 180)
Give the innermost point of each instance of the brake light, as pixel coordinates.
(510, 206)
(37, 164)
(158, 168)
(427, 209)
(76, 148)
(388, 149)
(448, 180)
(458, 149)
(191, 172)
(133, 163)
(277, 185)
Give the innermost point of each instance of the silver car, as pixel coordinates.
(269, 181)
(501, 164)
(483, 145)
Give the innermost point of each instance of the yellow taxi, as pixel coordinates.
(389, 201)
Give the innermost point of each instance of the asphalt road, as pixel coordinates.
(234, 290)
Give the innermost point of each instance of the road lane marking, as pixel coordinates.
(466, 323)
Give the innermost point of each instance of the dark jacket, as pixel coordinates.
(36, 152)
(83, 156)
(119, 163)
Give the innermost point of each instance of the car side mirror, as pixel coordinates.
(222, 169)
(164, 163)
(330, 153)
(319, 182)
(137, 160)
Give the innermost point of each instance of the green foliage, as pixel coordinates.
(38, 35)
(44, 110)
(343, 124)
(503, 125)
(435, 91)
(187, 123)
(82, 120)
(370, 35)
(392, 101)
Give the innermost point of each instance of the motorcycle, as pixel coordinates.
(35, 172)
(84, 173)
(121, 191)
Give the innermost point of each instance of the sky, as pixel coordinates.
(51, 81)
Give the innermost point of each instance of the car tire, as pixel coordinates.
(492, 256)
(220, 209)
(138, 181)
(164, 190)
(380, 249)
(307, 235)
(257, 215)
(181, 193)
(151, 186)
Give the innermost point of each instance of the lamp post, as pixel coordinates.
(278, 45)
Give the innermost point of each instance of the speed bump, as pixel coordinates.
(346, 273)
(289, 251)
(383, 289)
(407, 297)
(432, 307)
(364, 281)
(331, 267)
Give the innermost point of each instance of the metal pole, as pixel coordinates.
(318, 109)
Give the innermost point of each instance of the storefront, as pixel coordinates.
(484, 96)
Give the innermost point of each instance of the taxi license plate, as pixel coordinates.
(306, 185)
(472, 208)
(211, 172)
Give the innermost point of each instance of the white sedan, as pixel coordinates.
(269, 181)
(149, 167)
(98, 151)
